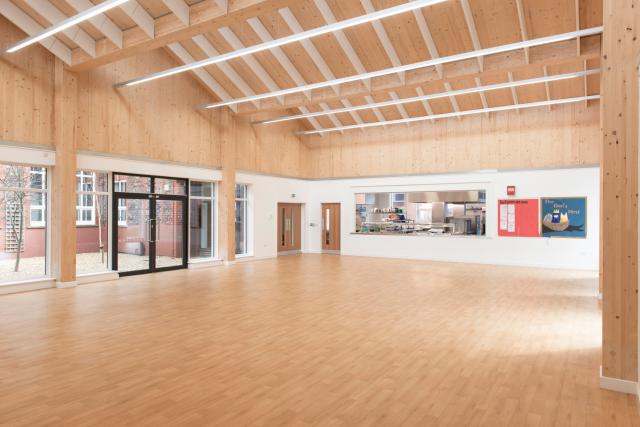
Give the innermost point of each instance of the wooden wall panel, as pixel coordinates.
(26, 91)
(155, 120)
(274, 150)
(568, 136)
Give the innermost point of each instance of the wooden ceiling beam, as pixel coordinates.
(495, 65)
(514, 91)
(232, 39)
(523, 26)
(389, 50)
(349, 51)
(179, 8)
(311, 50)
(76, 34)
(473, 32)
(141, 17)
(425, 31)
(205, 46)
(202, 76)
(101, 22)
(258, 27)
(204, 16)
(27, 24)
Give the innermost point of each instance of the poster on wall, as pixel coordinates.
(518, 218)
(564, 217)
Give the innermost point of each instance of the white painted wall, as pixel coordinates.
(539, 252)
(265, 192)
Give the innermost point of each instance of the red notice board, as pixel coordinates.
(518, 218)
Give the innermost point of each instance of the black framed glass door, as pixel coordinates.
(150, 230)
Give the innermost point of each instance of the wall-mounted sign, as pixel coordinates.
(518, 218)
(511, 190)
(564, 217)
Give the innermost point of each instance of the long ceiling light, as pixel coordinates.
(336, 26)
(409, 67)
(453, 114)
(67, 23)
(446, 94)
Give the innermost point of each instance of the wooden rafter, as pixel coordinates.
(179, 52)
(315, 56)
(349, 51)
(523, 27)
(389, 50)
(101, 22)
(206, 15)
(232, 39)
(180, 9)
(285, 62)
(546, 85)
(31, 27)
(514, 91)
(205, 45)
(52, 14)
(496, 65)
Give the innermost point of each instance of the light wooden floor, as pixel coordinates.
(311, 340)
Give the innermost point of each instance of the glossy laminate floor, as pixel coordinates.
(311, 340)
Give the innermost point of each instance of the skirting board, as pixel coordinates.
(63, 285)
(27, 286)
(615, 384)
(205, 264)
(107, 276)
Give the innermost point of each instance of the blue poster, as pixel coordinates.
(564, 217)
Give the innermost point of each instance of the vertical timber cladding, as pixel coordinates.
(619, 188)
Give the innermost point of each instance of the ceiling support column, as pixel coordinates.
(619, 188)
(63, 202)
(226, 126)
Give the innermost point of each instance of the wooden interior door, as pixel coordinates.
(331, 227)
(289, 227)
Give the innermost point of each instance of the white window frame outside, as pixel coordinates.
(80, 192)
(121, 187)
(245, 199)
(40, 208)
(214, 221)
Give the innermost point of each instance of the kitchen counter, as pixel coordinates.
(472, 236)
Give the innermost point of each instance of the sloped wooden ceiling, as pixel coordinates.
(193, 30)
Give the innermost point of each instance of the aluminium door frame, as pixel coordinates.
(152, 197)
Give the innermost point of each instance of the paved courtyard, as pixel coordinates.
(94, 262)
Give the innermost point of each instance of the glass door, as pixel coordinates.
(151, 231)
(133, 235)
(169, 239)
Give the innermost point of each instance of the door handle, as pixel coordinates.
(149, 231)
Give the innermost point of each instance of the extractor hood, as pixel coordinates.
(444, 196)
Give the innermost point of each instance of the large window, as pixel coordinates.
(202, 219)
(92, 222)
(241, 219)
(23, 222)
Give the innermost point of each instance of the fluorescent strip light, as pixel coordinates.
(414, 66)
(67, 23)
(475, 89)
(336, 26)
(453, 114)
